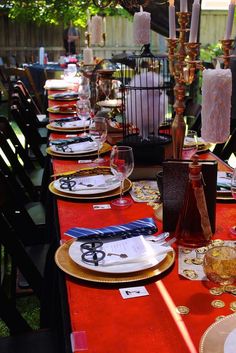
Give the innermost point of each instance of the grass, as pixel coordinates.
(28, 306)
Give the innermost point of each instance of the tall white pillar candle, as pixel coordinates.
(183, 6)
(88, 56)
(230, 20)
(96, 35)
(216, 105)
(141, 27)
(194, 22)
(172, 24)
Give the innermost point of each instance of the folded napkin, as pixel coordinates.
(65, 120)
(143, 226)
(69, 141)
(65, 95)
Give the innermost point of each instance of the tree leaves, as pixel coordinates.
(57, 11)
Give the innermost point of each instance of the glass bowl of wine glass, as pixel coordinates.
(219, 264)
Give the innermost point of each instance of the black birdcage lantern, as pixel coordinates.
(146, 95)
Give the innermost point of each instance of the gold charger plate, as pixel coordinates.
(106, 148)
(227, 196)
(204, 147)
(105, 195)
(66, 264)
(213, 339)
(70, 130)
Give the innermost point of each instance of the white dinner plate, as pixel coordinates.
(78, 148)
(75, 254)
(109, 183)
(69, 124)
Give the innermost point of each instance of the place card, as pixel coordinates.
(102, 207)
(133, 292)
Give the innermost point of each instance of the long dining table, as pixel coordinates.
(100, 320)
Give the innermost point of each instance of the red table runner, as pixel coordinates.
(147, 324)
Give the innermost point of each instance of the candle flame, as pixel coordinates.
(171, 2)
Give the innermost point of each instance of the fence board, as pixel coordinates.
(24, 39)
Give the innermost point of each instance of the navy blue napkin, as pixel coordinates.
(65, 95)
(143, 226)
(69, 141)
(65, 120)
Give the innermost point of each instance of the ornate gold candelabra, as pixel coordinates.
(227, 45)
(183, 65)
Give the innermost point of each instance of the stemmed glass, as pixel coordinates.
(84, 88)
(98, 133)
(122, 165)
(190, 146)
(233, 191)
(70, 71)
(106, 86)
(83, 108)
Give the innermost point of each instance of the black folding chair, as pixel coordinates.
(29, 104)
(224, 150)
(33, 139)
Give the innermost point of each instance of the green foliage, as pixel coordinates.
(57, 11)
(210, 52)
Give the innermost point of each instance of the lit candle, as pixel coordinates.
(88, 56)
(230, 19)
(183, 6)
(216, 105)
(96, 33)
(194, 22)
(172, 25)
(141, 27)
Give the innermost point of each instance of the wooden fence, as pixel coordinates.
(20, 42)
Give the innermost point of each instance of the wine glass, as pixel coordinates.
(83, 108)
(219, 264)
(98, 133)
(233, 191)
(122, 165)
(84, 88)
(106, 87)
(70, 71)
(190, 146)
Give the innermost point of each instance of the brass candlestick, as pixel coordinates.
(88, 38)
(182, 65)
(227, 45)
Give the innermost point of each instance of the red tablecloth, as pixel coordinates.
(146, 324)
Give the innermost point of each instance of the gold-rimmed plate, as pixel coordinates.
(105, 148)
(67, 130)
(100, 196)
(215, 337)
(67, 265)
(204, 147)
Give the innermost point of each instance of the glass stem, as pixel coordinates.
(122, 189)
(99, 150)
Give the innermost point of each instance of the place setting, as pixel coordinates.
(89, 184)
(91, 143)
(116, 254)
